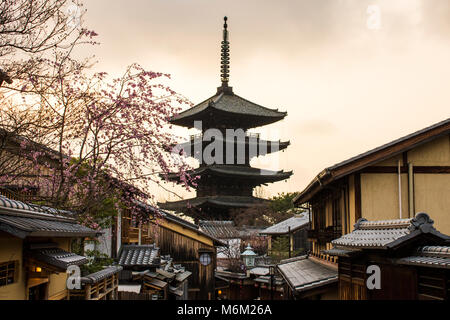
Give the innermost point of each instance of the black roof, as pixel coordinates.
(56, 257)
(26, 220)
(385, 234)
(429, 256)
(220, 229)
(236, 172)
(139, 255)
(217, 201)
(100, 275)
(229, 103)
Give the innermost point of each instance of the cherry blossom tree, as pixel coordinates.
(92, 144)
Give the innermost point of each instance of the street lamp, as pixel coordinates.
(249, 256)
(271, 273)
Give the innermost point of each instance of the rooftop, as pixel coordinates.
(232, 104)
(303, 273)
(385, 234)
(56, 257)
(219, 229)
(294, 223)
(139, 255)
(218, 201)
(234, 171)
(429, 256)
(22, 220)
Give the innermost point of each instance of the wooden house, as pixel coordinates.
(185, 242)
(157, 277)
(35, 251)
(411, 257)
(393, 181)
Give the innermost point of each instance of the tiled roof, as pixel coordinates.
(237, 171)
(386, 233)
(231, 103)
(219, 229)
(303, 273)
(277, 281)
(260, 271)
(221, 201)
(23, 219)
(139, 255)
(295, 222)
(429, 256)
(56, 257)
(100, 275)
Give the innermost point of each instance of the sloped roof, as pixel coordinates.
(221, 201)
(56, 257)
(139, 255)
(386, 234)
(371, 157)
(234, 171)
(303, 273)
(100, 275)
(429, 256)
(22, 219)
(296, 222)
(219, 229)
(230, 103)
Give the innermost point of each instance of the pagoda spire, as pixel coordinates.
(225, 56)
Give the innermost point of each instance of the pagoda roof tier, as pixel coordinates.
(228, 110)
(214, 201)
(250, 141)
(237, 172)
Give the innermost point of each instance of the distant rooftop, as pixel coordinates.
(296, 222)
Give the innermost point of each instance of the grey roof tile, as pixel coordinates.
(219, 229)
(100, 275)
(295, 222)
(139, 255)
(386, 233)
(429, 256)
(233, 104)
(56, 257)
(304, 273)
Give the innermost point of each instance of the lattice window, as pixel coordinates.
(205, 259)
(8, 272)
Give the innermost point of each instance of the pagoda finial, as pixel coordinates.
(225, 56)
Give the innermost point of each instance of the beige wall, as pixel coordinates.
(379, 196)
(379, 191)
(433, 153)
(432, 195)
(57, 282)
(11, 250)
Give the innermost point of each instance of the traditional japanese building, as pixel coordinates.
(224, 149)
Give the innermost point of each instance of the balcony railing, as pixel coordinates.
(247, 134)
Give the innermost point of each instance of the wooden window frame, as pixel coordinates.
(8, 269)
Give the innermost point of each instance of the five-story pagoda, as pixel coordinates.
(224, 150)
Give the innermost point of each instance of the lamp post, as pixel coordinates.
(271, 273)
(249, 257)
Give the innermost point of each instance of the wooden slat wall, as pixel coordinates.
(186, 251)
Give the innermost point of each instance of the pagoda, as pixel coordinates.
(224, 148)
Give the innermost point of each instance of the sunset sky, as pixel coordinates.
(347, 86)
